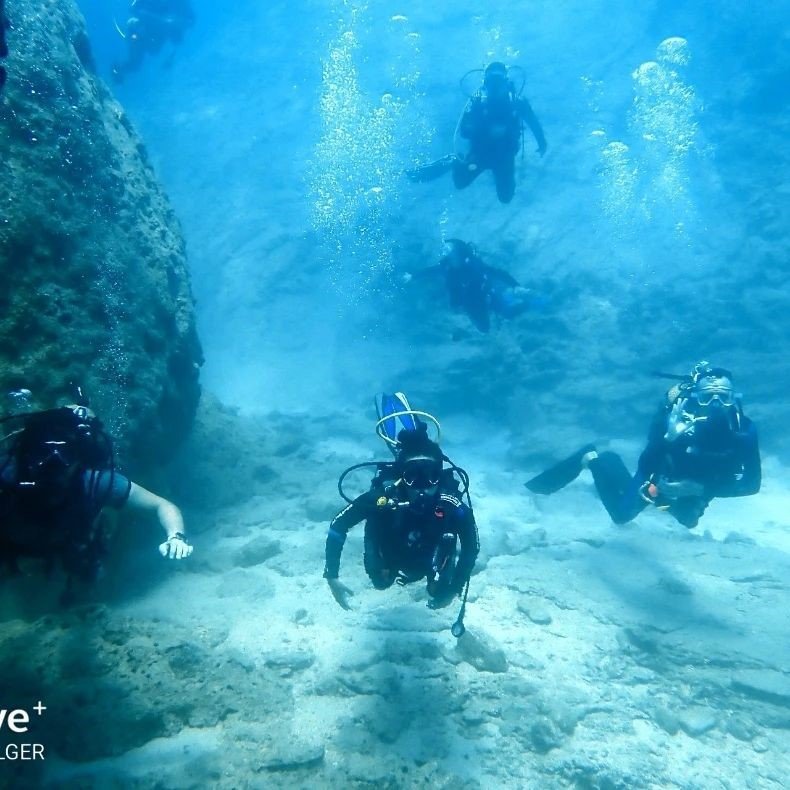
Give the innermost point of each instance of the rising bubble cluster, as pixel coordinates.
(356, 166)
(647, 180)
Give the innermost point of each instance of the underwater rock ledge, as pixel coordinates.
(96, 288)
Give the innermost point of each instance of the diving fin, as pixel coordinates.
(559, 475)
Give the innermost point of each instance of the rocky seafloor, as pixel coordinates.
(596, 656)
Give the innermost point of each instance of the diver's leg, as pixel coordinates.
(432, 170)
(377, 567)
(479, 315)
(615, 487)
(464, 172)
(505, 180)
(512, 301)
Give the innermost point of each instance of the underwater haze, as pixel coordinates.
(654, 233)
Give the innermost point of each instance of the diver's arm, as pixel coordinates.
(359, 509)
(150, 16)
(469, 122)
(170, 519)
(749, 453)
(527, 114)
(752, 466)
(470, 547)
(351, 515)
(170, 13)
(500, 276)
(168, 514)
(429, 273)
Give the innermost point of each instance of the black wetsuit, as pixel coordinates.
(400, 540)
(152, 24)
(725, 461)
(493, 129)
(37, 522)
(476, 288)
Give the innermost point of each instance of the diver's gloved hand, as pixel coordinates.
(689, 510)
(176, 547)
(340, 593)
(679, 489)
(440, 601)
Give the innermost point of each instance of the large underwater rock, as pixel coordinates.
(95, 287)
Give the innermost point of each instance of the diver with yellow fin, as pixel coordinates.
(416, 512)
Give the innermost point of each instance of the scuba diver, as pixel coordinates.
(477, 289)
(492, 125)
(57, 474)
(151, 25)
(4, 25)
(700, 446)
(416, 511)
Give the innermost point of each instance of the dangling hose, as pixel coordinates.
(458, 628)
(457, 132)
(380, 465)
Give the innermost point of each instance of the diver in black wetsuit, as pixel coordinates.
(477, 289)
(700, 446)
(4, 25)
(492, 124)
(414, 516)
(57, 475)
(150, 26)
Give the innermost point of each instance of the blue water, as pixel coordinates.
(245, 124)
(654, 231)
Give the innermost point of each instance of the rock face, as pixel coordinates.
(95, 285)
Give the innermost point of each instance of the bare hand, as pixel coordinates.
(340, 593)
(175, 548)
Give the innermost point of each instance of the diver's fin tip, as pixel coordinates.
(560, 475)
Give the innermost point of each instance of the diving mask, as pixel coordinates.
(421, 473)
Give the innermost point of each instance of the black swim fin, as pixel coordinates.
(559, 475)
(432, 170)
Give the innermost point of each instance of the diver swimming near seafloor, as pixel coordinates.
(416, 511)
(700, 446)
(477, 289)
(492, 126)
(57, 476)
